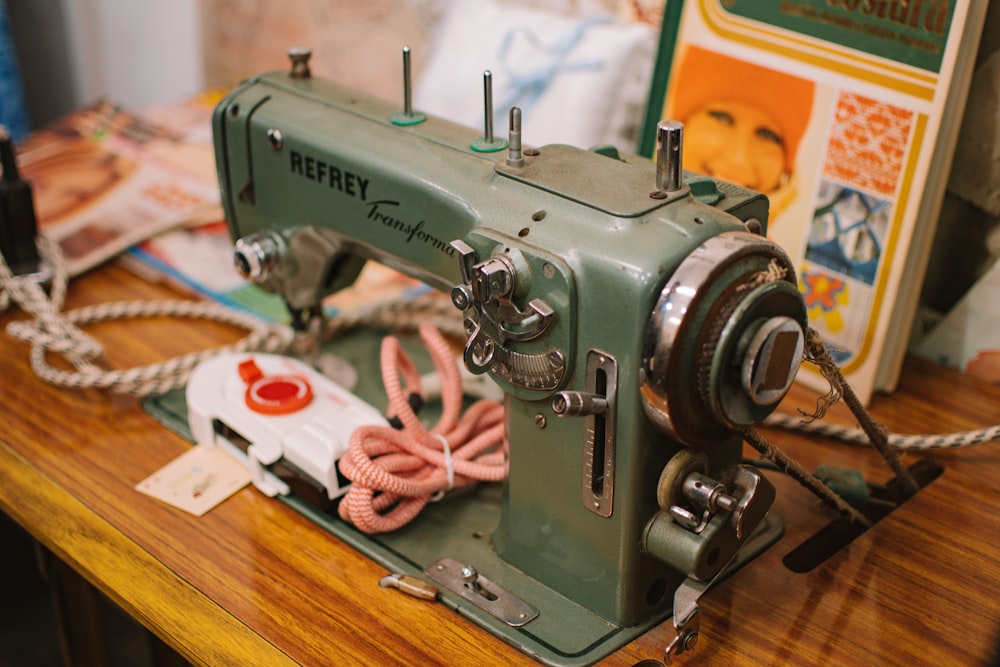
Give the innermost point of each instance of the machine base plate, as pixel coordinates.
(460, 527)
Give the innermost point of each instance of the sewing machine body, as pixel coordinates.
(335, 178)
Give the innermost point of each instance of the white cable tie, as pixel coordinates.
(448, 467)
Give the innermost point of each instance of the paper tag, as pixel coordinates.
(197, 480)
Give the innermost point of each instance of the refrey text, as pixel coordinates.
(331, 175)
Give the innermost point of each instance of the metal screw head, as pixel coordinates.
(461, 296)
(540, 421)
(274, 139)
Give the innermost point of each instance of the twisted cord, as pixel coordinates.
(818, 353)
(402, 316)
(143, 380)
(802, 476)
(60, 333)
(395, 473)
(855, 436)
(52, 331)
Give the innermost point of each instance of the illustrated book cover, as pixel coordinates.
(105, 178)
(845, 113)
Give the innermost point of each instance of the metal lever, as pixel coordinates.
(463, 580)
(687, 616)
(412, 586)
(579, 404)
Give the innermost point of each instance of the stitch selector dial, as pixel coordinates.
(493, 321)
(725, 339)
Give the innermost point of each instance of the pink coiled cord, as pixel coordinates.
(395, 473)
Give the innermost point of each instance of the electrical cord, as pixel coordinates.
(396, 472)
(60, 333)
(56, 332)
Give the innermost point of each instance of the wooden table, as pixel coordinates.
(255, 583)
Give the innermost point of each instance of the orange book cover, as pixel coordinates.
(845, 114)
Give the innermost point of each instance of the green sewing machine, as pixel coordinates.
(634, 315)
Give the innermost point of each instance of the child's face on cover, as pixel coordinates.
(735, 142)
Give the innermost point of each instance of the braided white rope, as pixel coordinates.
(401, 316)
(52, 331)
(60, 333)
(856, 436)
(154, 378)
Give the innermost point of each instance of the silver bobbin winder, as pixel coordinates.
(515, 158)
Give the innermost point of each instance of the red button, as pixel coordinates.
(274, 394)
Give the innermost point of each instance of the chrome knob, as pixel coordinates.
(258, 255)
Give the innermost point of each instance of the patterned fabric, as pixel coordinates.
(867, 143)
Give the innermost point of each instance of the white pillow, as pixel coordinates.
(578, 80)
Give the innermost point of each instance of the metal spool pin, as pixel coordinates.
(669, 169)
(407, 116)
(488, 143)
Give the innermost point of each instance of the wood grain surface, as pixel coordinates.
(255, 583)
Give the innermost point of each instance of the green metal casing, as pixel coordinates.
(586, 237)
